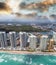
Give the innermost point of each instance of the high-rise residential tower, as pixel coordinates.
(3, 40)
(12, 37)
(32, 42)
(54, 36)
(23, 39)
(43, 42)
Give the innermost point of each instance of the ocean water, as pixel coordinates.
(17, 59)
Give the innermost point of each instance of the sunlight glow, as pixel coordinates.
(14, 5)
(4, 12)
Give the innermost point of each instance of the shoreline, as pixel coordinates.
(29, 53)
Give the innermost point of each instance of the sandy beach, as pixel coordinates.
(26, 52)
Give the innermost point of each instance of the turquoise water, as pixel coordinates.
(15, 59)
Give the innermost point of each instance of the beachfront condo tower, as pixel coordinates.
(3, 40)
(32, 42)
(54, 36)
(12, 37)
(43, 42)
(23, 39)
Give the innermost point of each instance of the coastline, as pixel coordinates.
(29, 53)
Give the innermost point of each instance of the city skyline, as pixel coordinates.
(27, 32)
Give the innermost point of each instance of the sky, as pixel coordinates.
(27, 8)
(2, 0)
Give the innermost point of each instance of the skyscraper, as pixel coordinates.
(12, 37)
(23, 39)
(51, 43)
(33, 42)
(3, 39)
(43, 42)
(54, 36)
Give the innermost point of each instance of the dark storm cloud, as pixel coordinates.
(4, 6)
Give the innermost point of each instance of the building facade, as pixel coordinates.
(32, 42)
(3, 40)
(23, 39)
(12, 37)
(54, 36)
(43, 42)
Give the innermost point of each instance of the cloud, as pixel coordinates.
(14, 5)
(41, 6)
(2, 0)
(4, 7)
(17, 6)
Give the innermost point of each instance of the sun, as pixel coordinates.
(14, 5)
